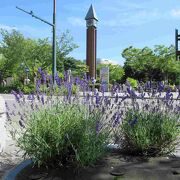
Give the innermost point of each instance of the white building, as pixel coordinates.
(106, 61)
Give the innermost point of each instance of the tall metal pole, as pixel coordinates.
(54, 71)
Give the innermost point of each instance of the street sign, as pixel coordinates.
(104, 77)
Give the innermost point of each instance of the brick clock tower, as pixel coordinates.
(91, 46)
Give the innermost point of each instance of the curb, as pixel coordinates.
(3, 133)
(11, 174)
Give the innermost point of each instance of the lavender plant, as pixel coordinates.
(59, 125)
(58, 128)
(149, 133)
(150, 124)
(63, 134)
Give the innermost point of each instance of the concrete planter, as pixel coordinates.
(11, 175)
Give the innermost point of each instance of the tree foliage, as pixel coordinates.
(19, 52)
(157, 64)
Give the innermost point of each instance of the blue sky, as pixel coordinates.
(122, 23)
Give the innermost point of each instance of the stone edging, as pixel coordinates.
(11, 174)
(3, 133)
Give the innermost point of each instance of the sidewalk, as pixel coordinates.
(8, 151)
(3, 133)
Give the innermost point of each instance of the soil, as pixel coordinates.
(112, 167)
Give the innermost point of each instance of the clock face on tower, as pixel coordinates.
(91, 22)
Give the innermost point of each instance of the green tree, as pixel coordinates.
(116, 72)
(17, 50)
(157, 64)
(77, 67)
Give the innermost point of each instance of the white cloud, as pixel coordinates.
(133, 18)
(8, 28)
(75, 21)
(175, 12)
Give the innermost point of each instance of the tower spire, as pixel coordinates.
(91, 14)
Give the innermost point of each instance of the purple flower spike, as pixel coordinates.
(7, 107)
(98, 127)
(116, 119)
(30, 97)
(93, 80)
(103, 88)
(42, 99)
(168, 95)
(97, 99)
(65, 76)
(178, 93)
(21, 124)
(8, 116)
(160, 86)
(16, 96)
(69, 88)
(133, 122)
(116, 98)
(58, 80)
(43, 77)
(21, 95)
(39, 70)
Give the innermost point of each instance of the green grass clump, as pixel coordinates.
(149, 133)
(63, 134)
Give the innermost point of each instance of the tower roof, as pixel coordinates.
(91, 14)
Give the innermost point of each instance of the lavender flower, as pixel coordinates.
(39, 70)
(160, 86)
(97, 99)
(43, 77)
(58, 80)
(30, 97)
(178, 93)
(133, 122)
(98, 127)
(21, 124)
(42, 100)
(116, 119)
(116, 98)
(93, 80)
(6, 105)
(8, 116)
(17, 97)
(103, 88)
(168, 95)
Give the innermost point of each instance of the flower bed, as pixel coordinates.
(63, 128)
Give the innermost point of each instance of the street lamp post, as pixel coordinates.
(54, 42)
(53, 25)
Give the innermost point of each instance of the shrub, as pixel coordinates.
(133, 82)
(27, 89)
(96, 85)
(65, 133)
(149, 133)
(64, 91)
